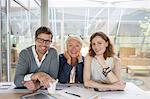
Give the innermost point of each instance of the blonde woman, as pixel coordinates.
(71, 61)
(101, 67)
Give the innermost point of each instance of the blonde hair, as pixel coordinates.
(75, 37)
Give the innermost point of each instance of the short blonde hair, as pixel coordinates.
(75, 37)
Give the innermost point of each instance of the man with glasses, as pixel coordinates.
(38, 65)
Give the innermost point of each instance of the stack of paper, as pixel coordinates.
(78, 93)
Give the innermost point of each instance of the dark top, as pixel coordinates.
(65, 70)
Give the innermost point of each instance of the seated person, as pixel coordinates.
(71, 62)
(14, 55)
(38, 65)
(101, 67)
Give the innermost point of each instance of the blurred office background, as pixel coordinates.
(126, 22)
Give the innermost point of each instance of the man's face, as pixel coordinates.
(42, 43)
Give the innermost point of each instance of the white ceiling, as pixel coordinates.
(100, 3)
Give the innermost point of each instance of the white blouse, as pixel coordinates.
(72, 75)
(96, 70)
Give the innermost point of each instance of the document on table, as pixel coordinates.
(78, 93)
(60, 86)
(6, 85)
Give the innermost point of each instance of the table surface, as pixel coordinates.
(139, 67)
(131, 91)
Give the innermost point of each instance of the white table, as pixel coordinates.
(131, 92)
(134, 69)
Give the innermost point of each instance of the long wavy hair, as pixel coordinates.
(109, 52)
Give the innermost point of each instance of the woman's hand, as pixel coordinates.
(112, 87)
(68, 57)
(118, 86)
(79, 58)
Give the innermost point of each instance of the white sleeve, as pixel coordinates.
(27, 77)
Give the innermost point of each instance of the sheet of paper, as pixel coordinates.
(78, 93)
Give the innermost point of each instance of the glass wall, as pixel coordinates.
(20, 19)
(3, 40)
(24, 20)
(123, 25)
(127, 23)
(128, 27)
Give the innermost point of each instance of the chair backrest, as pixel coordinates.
(126, 51)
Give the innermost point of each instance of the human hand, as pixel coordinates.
(118, 85)
(31, 85)
(34, 77)
(68, 57)
(44, 79)
(79, 58)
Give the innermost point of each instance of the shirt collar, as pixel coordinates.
(35, 53)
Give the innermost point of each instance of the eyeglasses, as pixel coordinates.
(40, 40)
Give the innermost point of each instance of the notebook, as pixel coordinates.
(78, 93)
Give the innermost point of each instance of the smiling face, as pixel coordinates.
(73, 48)
(42, 43)
(99, 45)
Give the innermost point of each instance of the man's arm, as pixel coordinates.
(32, 85)
(21, 69)
(54, 64)
(46, 78)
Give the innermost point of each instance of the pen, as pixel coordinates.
(73, 94)
(96, 89)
